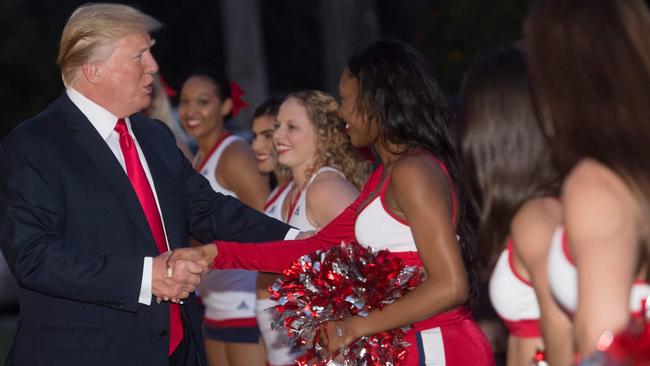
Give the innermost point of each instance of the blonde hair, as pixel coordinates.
(334, 147)
(92, 29)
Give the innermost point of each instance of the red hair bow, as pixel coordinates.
(236, 93)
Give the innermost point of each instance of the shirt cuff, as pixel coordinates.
(291, 234)
(145, 287)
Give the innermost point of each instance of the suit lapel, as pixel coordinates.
(162, 181)
(96, 149)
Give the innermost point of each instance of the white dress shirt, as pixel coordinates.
(104, 122)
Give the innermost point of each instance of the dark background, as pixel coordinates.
(451, 33)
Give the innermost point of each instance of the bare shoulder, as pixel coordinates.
(533, 225)
(539, 213)
(236, 149)
(327, 185)
(236, 154)
(418, 172)
(597, 201)
(327, 196)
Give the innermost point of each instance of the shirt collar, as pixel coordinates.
(103, 120)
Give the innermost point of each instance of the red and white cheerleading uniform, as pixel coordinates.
(228, 295)
(563, 278)
(513, 297)
(297, 215)
(451, 338)
(273, 205)
(278, 350)
(276, 342)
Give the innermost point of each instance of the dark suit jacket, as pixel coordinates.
(74, 236)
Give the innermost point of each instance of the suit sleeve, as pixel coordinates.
(32, 227)
(214, 216)
(278, 255)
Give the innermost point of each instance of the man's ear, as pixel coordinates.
(226, 107)
(92, 72)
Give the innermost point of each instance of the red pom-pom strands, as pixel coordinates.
(348, 280)
(630, 347)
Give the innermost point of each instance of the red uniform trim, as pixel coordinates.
(446, 318)
(277, 194)
(511, 263)
(231, 323)
(212, 150)
(565, 247)
(292, 206)
(524, 328)
(454, 203)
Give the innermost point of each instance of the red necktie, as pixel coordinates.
(142, 188)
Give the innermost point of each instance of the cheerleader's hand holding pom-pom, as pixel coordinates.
(322, 294)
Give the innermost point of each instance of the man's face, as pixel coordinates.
(127, 75)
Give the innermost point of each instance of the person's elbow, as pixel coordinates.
(450, 292)
(458, 292)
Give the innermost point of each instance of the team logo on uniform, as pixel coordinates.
(243, 306)
(272, 209)
(297, 212)
(204, 171)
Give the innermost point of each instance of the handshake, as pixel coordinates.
(177, 273)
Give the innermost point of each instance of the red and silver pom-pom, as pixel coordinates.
(344, 281)
(630, 347)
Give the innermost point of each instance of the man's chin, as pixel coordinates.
(144, 104)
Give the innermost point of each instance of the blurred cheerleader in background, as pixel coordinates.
(515, 184)
(589, 64)
(232, 337)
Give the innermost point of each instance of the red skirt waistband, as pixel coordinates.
(448, 317)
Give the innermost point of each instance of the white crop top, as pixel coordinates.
(209, 167)
(513, 298)
(563, 277)
(378, 228)
(273, 206)
(298, 212)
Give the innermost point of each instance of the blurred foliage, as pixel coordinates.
(455, 32)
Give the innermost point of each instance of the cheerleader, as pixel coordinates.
(589, 63)
(413, 205)
(516, 185)
(227, 161)
(310, 141)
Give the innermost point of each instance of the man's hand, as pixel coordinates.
(175, 285)
(202, 255)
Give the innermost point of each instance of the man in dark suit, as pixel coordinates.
(93, 197)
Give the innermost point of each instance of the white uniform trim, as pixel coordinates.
(434, 348)
(511, 298)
